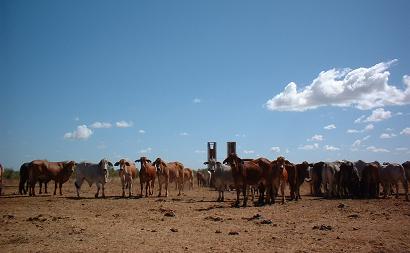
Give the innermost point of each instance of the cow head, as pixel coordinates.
(212, 164)
(104, 166)
(281, 162)
(159, 164)
(123, 165)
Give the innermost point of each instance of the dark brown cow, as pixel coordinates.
(189, 178)
(23, 182)
(127, 173)
(370, 181)
(147, 175)
(60, 172)
(168, 173)
(245, 173)
(292, 178)
(302, 174)
(279, 177)
(406, 166)
(316, 179)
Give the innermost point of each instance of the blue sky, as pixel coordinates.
(84, 80)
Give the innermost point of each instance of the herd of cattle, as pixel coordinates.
(340, 179)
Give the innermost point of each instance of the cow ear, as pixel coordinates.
(110, 163)
(205, 163)
(127, 163)
(138, 161)
(117, 163)
(149, 161)
(163, 164)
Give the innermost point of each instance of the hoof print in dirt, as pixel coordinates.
(323, 227)
(174, 230)
(218, 231)
(355, 215)
(233, 233)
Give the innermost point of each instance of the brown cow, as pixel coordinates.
(200, 178)
(246, 173)
(127, 173)
(168, 173)
(370, 180)
(279, 177)
(189, 177)
(44, 170)
(147, 175)
(292, 179)
(406, 166)
(302, 174)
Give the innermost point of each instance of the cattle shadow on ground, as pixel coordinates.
(23, 196)
(106, 198)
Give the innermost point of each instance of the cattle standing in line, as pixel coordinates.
(245, 173)
(148, 173)
(93, 173)
(127, 173)
(170, 172)
(189, 178)
(390, 174)
(60, 172)
(302, 172)
(222, 177)
(292, 178)
(349, 180)
(316, 176)
(1, 179)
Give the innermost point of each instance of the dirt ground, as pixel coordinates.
(194, 222)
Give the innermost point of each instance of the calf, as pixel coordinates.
(391, 174)
(302, 174)
(222, 175)
(168, 173)
(127, 173)
(44, 170)
(147, 175)
(92, 173)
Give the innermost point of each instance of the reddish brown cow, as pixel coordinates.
(189, 177)
(127, 173)
(246, 173)
(168, 173)
(60, 172)
(292, 178)
(302, 172)
(147, 175)
(279, 177)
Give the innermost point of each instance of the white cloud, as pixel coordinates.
(378, 115)
(367, 128)
(360, 119)
(141, 131)
(405, 131)
(98, 124)
(399, 113)
(82, 133)
(402, 149)
(363, 88)
(200, 151)
(183, 134)
(123, 124)
(196, 100)
(145, 151)
(309, 147)
(275, 149)
(377, 150)
(389, 129)
(387, 135)
(240, 135)
(330, 148)
(330, 127)
(316, 137)
(358, 143)
(249, 151)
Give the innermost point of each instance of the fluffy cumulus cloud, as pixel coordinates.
(330, 127)
(275, 149)
(367, 128)
(358, 143)
(249, 152)
(330, 148)
(363, 88)
(123, 124)
(378, 114)
(316, 137)
(309, 146)
(405, 131)
(387, 135)
(98, 124)
(377, 150)
(81, 133)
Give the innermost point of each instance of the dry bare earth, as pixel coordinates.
(196, 223)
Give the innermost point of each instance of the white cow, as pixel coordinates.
(221, 177)
(391, 174)
(93, 173)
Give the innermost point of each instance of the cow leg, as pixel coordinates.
(98, 189)
(245, 196)
(123, 186)
(60, 186)
(142, 186)
(41, 184)
(55, 187)
(166, 187)
(130, 188)
(282, 191)
(103, 189)
(146, 189)
(238, 192)
(406, 188)
(78, 184)
(160, 189)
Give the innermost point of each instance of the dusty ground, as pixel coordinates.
(196, 223)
